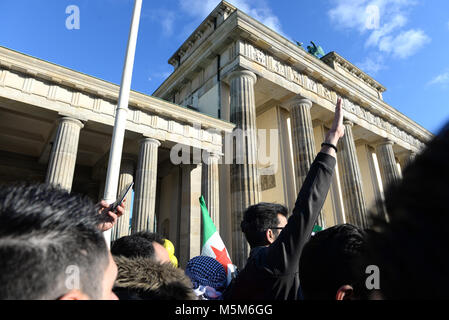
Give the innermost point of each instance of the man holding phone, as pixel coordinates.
(111, 213)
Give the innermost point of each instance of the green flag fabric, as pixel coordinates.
(213, 245)
(316, 229)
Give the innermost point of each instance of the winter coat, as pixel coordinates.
(143, 279)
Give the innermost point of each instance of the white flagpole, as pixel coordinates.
(115, 155)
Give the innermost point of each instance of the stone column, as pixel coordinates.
(190, 220)
(351, 179)
(126, 177)
(408, 158)
(245, 179)
(211, 186)
(63, 155)
(303, 141)
(387, 163)
(145, 186)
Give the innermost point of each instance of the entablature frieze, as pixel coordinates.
(164, 126)
(329, 90)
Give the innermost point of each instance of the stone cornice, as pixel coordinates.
(362, 105)
(60, 100)
(284, 55)
(333, 57)
(201, 33)
(82, 83)
(279, 47)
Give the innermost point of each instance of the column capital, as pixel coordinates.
(383, 142)
(71, 120)
(299, 101)
(150, 141)
(348, 123)
(242, 73)
(209, 156)
(214, 154)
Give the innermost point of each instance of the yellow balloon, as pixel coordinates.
(174, 260)
(170, 247)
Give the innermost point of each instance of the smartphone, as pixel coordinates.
(121, 197)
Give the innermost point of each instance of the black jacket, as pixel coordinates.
(271, 273)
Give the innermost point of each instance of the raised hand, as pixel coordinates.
(109, 217)
(338, 129)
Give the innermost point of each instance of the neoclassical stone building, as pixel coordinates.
(232, 73)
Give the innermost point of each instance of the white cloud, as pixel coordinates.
(405, 44)
(157, 76)
(384, 26)
(198, 8)
(349, 14)
(167, 23)
(372, 65)
(165, 18)
(397, 22)
(258, 9)
(442, 79)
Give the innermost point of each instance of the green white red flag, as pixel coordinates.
(213, 245)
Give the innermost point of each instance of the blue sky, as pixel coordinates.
(407, 50)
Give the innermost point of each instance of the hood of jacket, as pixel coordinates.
(142, 278)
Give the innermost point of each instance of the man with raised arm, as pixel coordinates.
(271, 272)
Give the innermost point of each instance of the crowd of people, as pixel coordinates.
(52, 246)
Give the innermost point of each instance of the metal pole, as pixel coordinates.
(115, 155)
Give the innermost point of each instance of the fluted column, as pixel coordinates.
(145, 187)
(351, 179)
(190, 220)
(211, 187)
(387, 163)
(63, 155)
(408, 159)
(303, 141)
(245, 180)
(121, 228)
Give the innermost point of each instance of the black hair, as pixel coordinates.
(333, 258)
(139, 244)
(45, 235)
(411, 247)
(258, 218)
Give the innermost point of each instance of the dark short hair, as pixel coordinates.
(411, 247)
(44, 233)
(333, 258)
(139, 244)
(257, 219)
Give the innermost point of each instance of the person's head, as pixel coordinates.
(208, 276)
(263, 222)
(51, 247)
(141, 244)
(141, 278)
(331, 264)
(411, 248)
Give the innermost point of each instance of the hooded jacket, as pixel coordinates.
(143, 279)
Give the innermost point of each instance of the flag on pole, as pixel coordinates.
(213, 245)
